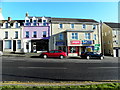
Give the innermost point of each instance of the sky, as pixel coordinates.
(105, 11)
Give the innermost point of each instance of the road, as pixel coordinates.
(71, 69)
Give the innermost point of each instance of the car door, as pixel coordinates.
(51, 53)
(57, 53)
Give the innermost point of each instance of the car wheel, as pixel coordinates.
(88, 57)
(101, 57)
(61, 56)
(44, 56)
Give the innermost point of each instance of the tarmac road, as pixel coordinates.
(71, 69)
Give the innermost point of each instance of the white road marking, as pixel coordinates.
(43, 67)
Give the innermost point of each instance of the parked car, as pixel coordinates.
(1, 53)
(54, 53)
(89, 55)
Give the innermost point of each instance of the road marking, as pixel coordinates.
(104, 67)
(43, 67)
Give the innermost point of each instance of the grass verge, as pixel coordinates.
(105, 86)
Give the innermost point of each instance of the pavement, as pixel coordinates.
(37, 54)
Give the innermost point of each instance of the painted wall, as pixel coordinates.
(39, 30)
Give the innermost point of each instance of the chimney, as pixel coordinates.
(27, 14)
(9, 19)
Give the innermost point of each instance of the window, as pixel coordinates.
(6, 34)
(6, 25)
(108, 42)
(44, 22)
(34, 34)
(19, 44)
(73, 49)
(51, 51)
(84, 26)
(94, 26)
(16, 34)
(60, 25)
(74, 35)
(72, 25)
(7, 44)
(44, 33)
(34, 22)
(27, 34)
(87, 35)
(57, 51)
(94, 36)
(60, 36)
(27, 21)
(16, 25)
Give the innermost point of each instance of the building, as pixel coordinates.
(75, 35)
(111, 35)
(36, 34)
(11, 37)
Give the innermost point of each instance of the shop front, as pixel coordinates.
(61, 45)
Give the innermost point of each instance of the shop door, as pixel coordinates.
(14, 45)
(117, 53)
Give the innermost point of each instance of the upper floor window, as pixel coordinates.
(16, 34)
(60, 25)
(6, 34)
(83, 26)
(27, 34)
(44, 33)
(94, 26)
(94, 36)
(72, 25)
(34, 34)
(87, 35)
(74, 35)
(6, 25)
(8, 44)
(34, 21)
(16, 25)
(60, 36)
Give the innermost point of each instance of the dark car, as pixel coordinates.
(54, 53)
(89, 55)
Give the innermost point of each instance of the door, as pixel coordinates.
(1, 45)
(14, 45)
(117, 53)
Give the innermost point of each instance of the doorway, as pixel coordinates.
(14, 45)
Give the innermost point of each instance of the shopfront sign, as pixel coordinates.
(97, 47)
(86, 42)
(75, 42)
(60, 43)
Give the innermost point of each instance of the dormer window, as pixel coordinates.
(44, 22)
(16, 25)
(34, 21)
(94, 26)
(27, 21)
(6, 25)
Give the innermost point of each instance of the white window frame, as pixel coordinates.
(73, 36)
(83, 27)
(60, 27)
(73, 25)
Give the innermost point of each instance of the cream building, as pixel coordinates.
(112, 30)
(11, 35)
(75, 35)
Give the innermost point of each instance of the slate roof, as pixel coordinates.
(113, 25)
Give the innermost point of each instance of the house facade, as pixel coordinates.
(36, 34)
(75, 35)
(11, 37)
(111, 35)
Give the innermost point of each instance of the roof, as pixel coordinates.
(113, 25)
(12, 21)
(67, 19)
(73, 20)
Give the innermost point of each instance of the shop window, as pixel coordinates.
(19, 44)
(73, 50)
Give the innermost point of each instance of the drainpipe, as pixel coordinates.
(102, 42)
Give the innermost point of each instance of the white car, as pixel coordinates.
(1, 53)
